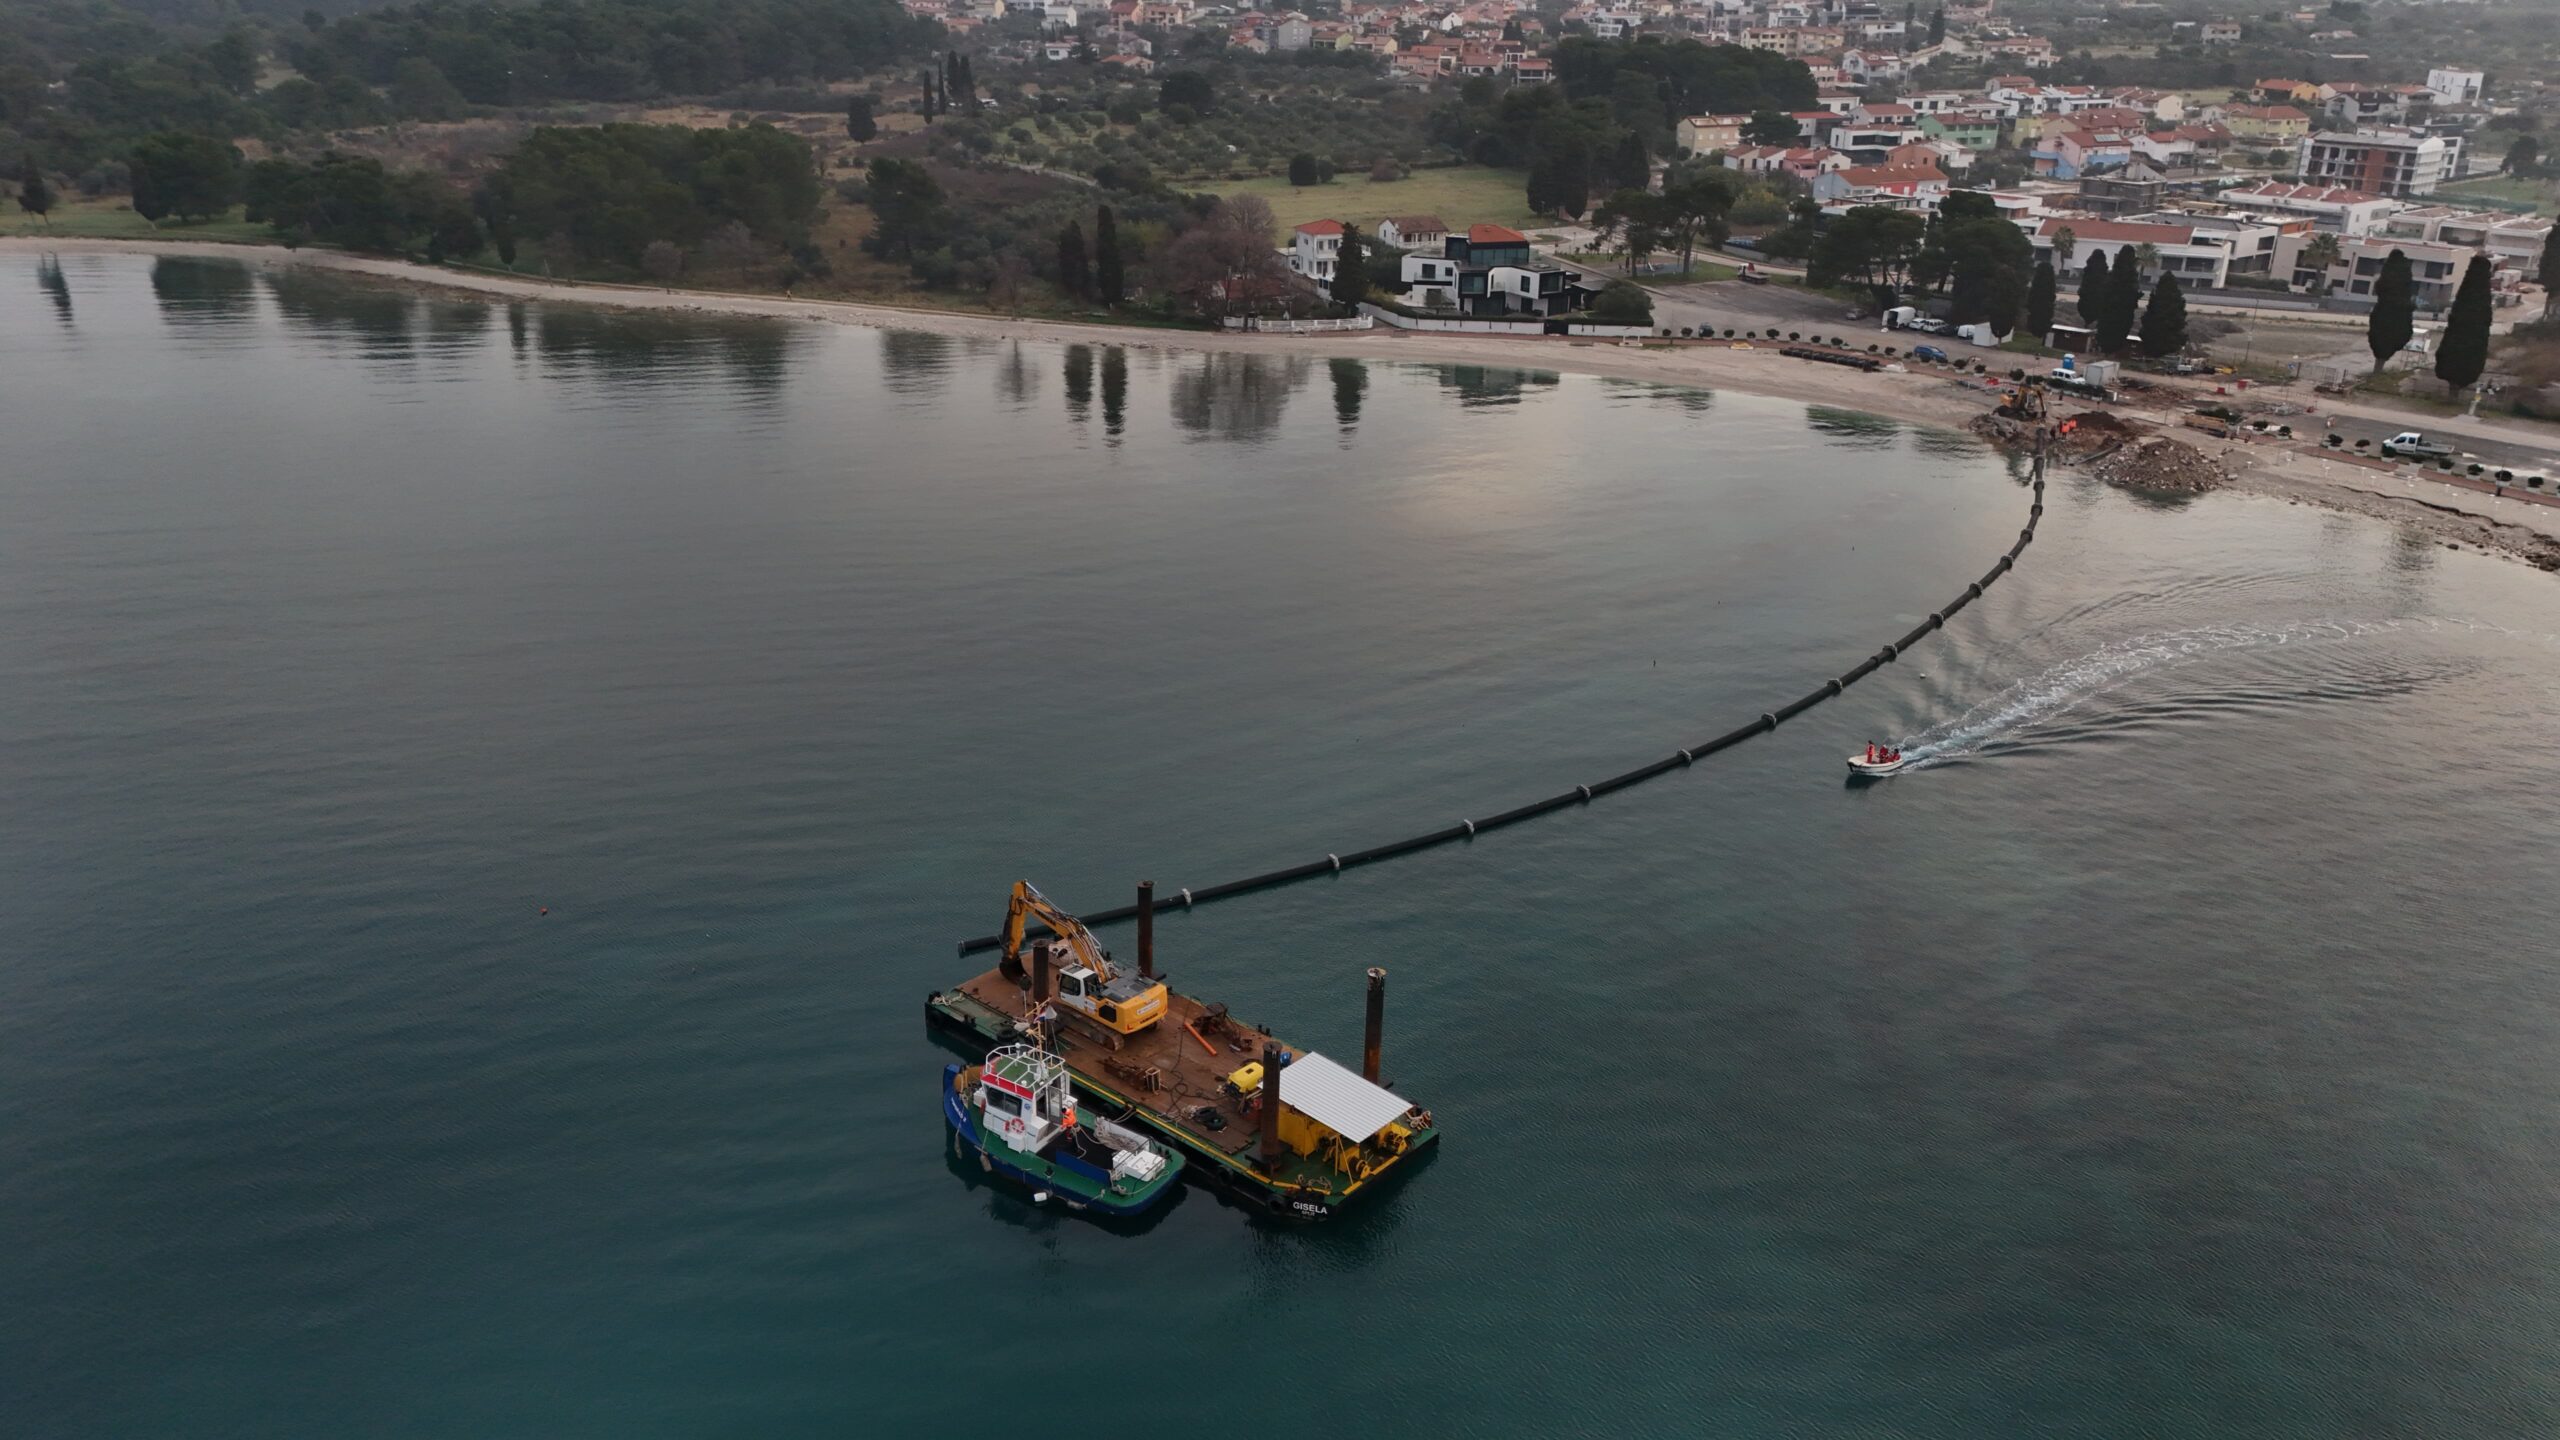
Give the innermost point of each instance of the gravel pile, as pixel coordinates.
(2165, 466)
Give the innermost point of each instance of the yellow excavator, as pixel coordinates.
(1091, 992)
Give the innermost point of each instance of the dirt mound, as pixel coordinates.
(2089, 433)
(2165, 466)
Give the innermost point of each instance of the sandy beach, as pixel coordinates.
(2452, 515)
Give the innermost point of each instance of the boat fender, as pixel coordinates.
(1471, 827)
(1687, 758)
(1585, 791)
(1768, 722)
(1889, 652)
(1834, 688)
(1937, 619)
(986, 1164)
(1337, 863)
(1186, 899)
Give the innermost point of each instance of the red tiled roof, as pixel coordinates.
(1494, 235)
(1887, 175)
(1321, 227)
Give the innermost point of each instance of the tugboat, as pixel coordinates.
(1017, 1113)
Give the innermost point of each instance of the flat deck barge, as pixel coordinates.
(1333, 1147)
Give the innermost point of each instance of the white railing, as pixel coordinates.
(1462, 326)
(1294, 327)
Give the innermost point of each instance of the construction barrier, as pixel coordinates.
(1333, 864)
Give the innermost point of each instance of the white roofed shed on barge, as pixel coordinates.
(1338, 1099)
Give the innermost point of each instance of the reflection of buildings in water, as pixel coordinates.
(1350, 384)
(1115, 388)
(1079, 381)
(1493, 385)
(1236, 397)
(56, 286)
(915, 362)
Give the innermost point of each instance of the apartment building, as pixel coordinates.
(2394, 162)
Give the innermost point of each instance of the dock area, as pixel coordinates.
(1339, 1134)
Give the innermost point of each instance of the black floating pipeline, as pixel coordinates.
(1335, 864)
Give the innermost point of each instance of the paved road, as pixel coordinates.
(2525, 457)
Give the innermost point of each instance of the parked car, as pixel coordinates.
(1928, 352)
(1926, 325)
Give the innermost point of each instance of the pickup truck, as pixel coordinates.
(2411, 443)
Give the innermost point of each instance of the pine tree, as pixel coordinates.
(2164, 324)
(2040, 299)
(1074, 275)
(2395, 306)
(1351, 269)
(2464, 351)
(1938, 26)
(2093, 288)
(1109, 283)
(36, 197)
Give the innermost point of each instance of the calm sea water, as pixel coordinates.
(2176, 1053)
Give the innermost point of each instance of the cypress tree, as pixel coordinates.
(1631, 167)
(926, 102)
(2040, 296)
(2123, 298)
(1074, 276)
(2164, 325)
(2464, 352)
(2093, 288)
(1109, 282)
(858, 122)
(2395, 307)
(1351, 269)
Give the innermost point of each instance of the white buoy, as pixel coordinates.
(1039, 1197)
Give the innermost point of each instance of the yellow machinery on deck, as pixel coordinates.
(1089, 990)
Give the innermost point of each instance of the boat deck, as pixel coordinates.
(1190, 1072)
(1188, 1075)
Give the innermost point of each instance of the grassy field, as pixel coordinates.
(2537, 193)
(1462, 195)
(115, 220)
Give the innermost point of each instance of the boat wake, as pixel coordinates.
(2042, 704)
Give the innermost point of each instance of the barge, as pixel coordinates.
(1282, 1129)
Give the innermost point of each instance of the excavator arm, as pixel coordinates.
(1027, 905)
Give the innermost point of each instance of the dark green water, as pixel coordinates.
(2173, 1055)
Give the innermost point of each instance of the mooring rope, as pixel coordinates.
(1333, 864)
